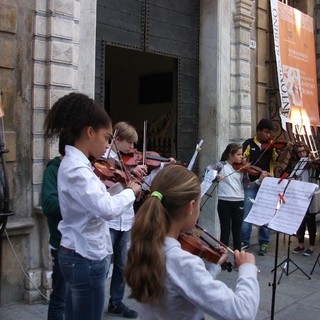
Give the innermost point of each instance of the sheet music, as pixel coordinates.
(283, 217)
(265, 203)
(291, 213)
(208, 179)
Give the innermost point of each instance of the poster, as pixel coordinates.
(296, 65)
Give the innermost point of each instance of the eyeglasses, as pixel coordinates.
(301, 151)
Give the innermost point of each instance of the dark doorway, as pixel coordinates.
(141, 46)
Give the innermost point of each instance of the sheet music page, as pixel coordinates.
(208, 180)
(291, 213)
(266, 201)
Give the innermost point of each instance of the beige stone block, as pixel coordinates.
(55, 95)
(8, 18)
(38, 149)
(37, 173)
(40, 74)
(244, 52)
(41, 25)
(261, 94)
(244, 132)
(41, 6)
(34, 279)
(61, 75)
(75, 80)
(36, 195)
(61, 28)
(8, 53)
(77, 10)
(262, 19)
(75, 55)
(243, 68)
(76, 33)
(32, 296)
(38, 121)
(46, 279)
(65, 7)
(39, 98)
(263, 4)
(61, 52)
(261, 74)
(244, 84)
(40, 50)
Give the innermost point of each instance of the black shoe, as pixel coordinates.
(297, 250)
(122, 311)
(308, 252)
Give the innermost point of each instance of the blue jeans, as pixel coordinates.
(86, 280)
(264, 233)
(59, 289)
(120, 241)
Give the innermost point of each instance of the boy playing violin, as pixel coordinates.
(126, 137)
(265, 159)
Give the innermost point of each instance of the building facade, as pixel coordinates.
(217, 55)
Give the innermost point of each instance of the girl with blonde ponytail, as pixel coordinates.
(170, 283)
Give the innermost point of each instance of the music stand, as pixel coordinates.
(315, 263)
(284, 265)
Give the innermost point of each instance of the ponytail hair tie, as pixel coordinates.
(157, 194)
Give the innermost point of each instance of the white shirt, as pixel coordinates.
(231, 187)
(125, 221)
(192, 290)
(86, 205)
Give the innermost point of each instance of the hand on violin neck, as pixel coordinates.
(224, 255)
(263, 175)
(170, 161)
(140, 171)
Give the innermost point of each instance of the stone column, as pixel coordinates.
(240, 113)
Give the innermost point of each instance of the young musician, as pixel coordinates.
(294, 152)
(51, 209)
(85, 204)
(171, 283)
(265, 159)
(231, 193)
(124, 141)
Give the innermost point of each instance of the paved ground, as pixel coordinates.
(296, 297)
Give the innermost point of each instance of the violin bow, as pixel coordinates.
(193, 159)
(112, 143)
(144, 147)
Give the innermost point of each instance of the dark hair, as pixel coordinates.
(64, 139)
(145, 268)
(264, 124)
(231, 149)
(73, 112)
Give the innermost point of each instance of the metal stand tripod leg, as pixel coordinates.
(284, 265)
(317, 261)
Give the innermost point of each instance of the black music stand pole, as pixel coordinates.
(209, 195)
(317, 261)
(274, 283)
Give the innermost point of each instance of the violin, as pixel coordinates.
(152, 161)
(192, 245)
(247, 167)
(108, 171)
(278, 143)
(198, 246)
